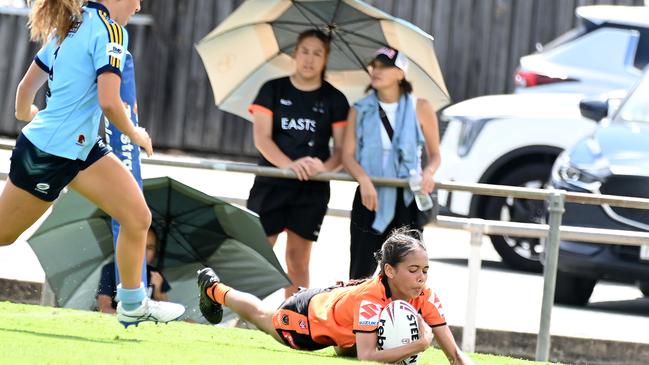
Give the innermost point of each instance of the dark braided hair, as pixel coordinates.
(399, 244)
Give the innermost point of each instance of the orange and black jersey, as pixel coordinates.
(336, 315)
(302, 120)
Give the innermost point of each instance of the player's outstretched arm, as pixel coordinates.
(446, 342)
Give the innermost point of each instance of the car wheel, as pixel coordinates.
(520, 253)
(572, 289)
(644, 288)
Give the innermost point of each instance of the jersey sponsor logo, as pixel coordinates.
(115, 50)
(298, 124)
(81, 140)
(434, 300)
(42, 187)
(368, 314)
(285, 102)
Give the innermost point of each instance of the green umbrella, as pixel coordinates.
(195, 230)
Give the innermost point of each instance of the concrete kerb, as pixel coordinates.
(570, 350)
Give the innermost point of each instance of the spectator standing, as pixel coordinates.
(385, 136)
(295, 118)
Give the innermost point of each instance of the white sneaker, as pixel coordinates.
(150, 310)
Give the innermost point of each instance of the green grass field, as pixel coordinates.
(43, 335)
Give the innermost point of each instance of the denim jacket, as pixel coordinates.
(405, 155)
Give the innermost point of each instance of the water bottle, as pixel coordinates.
(422, 199)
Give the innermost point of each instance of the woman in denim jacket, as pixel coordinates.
(369, 151)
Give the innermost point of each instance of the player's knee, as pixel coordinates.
(137, 219)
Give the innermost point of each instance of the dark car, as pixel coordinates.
(613, 160)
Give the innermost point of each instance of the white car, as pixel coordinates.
(607, 50)
(507, 140)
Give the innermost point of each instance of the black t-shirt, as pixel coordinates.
(302, 122)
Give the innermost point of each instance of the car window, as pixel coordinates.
(642, 54)
(636, 108)
(583, 26)
(566, 37)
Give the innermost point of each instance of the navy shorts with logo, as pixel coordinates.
(44, 175)
(291, 320)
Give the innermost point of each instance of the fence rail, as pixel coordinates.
(552, 231)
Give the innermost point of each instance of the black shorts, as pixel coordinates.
(291, 321)
(44, 175)
(365, 240)
(280, 207)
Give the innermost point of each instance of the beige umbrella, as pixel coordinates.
(255, 42)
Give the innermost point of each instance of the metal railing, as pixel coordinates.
(553, 231)
(478, 227)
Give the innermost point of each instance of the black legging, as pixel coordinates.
(365, 240)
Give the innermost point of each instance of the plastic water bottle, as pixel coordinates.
(422, 199)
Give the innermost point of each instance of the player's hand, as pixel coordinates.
(369, 196)
(425, 333)
(33, 110)
(141, 138)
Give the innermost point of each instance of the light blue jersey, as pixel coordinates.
(69, 125)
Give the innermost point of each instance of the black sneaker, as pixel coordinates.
(211, 310)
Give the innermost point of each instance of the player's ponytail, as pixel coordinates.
(400, 243)
(49, 16)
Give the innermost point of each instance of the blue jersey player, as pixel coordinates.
(83, 53)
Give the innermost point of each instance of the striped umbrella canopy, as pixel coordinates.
(255, 43)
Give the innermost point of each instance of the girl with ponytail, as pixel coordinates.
(84, 46)
(346, 316)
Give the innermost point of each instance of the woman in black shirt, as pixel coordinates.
(294, 119)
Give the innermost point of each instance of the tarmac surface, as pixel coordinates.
(612, 329)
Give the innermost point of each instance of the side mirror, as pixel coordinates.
(595, 109)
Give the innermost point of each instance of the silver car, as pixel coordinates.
(607, 50)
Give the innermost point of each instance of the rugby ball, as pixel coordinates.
(398, 326)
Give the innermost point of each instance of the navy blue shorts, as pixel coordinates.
(44, 175)
(291, 320)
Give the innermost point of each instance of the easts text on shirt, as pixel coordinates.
(299, 124)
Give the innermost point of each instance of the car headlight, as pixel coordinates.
(469, 132)
(588, 177)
